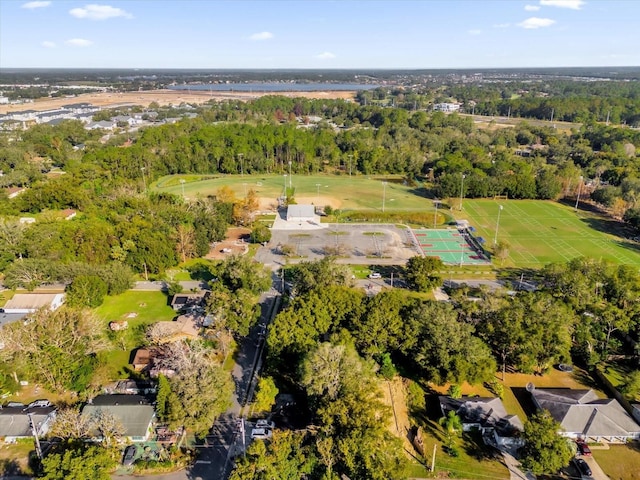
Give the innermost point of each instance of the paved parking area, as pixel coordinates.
(364, 244)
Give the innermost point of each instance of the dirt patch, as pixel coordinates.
(162, 97)
(235, 243)
(394, 395)
(319, 200)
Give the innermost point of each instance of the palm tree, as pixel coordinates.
(452, 426)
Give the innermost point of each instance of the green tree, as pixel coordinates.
(265, 395)
(260, 233)
(452, 426)
(86, 291)
(286, 457)
(80, 462)
(544, 451)
(162, 397)
(631, 386)
(421, 273)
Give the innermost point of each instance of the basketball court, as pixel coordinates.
(452, 246)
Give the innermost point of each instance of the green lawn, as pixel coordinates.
(541, 232)
(344, 192)
(149, 307)
(620, 462)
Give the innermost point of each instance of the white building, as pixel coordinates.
(30, 302)
(302, 213)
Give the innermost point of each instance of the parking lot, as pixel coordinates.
(376, 244)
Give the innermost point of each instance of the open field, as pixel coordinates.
(162, 97)
(541, 232)
(339, 191)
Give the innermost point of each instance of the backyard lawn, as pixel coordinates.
(541, 232)
(139, 309)
(620, 462)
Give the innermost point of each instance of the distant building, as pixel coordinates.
(13, 192)
(302, 213)
(446, 107)
(68, 213)
(30, 302)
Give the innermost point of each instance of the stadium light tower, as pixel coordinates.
(384, 194)
(495, 238)
(317, 192)
(285, 186)
(290, 176)
(461, 189)
(241, 157)
(578, 198)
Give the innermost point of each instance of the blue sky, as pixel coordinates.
(319, 34)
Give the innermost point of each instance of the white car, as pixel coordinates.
(261, 433)
(265, 424)
(375, 275)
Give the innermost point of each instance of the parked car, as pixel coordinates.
(375, 275)
(582, 467)
(39, 404)
(265, 424)
(583, 448)
(261, 433)
(563, 367)
(129, 455)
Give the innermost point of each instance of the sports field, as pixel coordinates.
(339, 191)
(541, 232)
(449, 245)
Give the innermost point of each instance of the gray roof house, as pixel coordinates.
(14, 422)
(486, 414)
(582, 414)
(134, 412)
(302, 213)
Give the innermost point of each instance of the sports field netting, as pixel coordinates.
(450, 245)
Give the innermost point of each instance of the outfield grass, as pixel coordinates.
(541, 232)
(340, 191)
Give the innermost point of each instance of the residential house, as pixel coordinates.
(68, 213)
(446, 107)
(15, 422)
(582, 414)
(134, 413)
(13, 192)
(103, 124)
(30, 302)
(488, 415)
(188, 301)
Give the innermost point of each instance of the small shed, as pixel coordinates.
(30, 302)
(301, 213)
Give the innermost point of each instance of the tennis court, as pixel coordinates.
(451, 246)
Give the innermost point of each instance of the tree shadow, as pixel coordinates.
(525, 400)
(475, 447)
(10, 466)
(585, 378)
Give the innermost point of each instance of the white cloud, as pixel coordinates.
(501, 25)
(535, 22)
(78, 42)
(261, 36)
(99, 12)
(326, 56)
(32, 5)
(572, 4)
(474, 32)
(532, 8)
(48, 44)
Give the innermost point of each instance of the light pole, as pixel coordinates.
(350, 157)
(182, 185)
(285, 187)
(244, 184)
(578, 198)
(435, 215)
(241, 157)
(384, 194)
(495, 237)
(461, 189)
(290, 176)
(317, 192)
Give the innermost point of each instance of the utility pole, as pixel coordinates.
(35, 435)
(495, 238)
(433, 459)
(350, 157)
(435, 215)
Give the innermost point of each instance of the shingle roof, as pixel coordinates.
(488, 411)
(133, 411)
(582, 412)
(14, 421)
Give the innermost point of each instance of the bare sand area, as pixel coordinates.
(162, 97)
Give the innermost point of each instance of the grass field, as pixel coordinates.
(339, 191)
(541, 232)
(620, 462)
